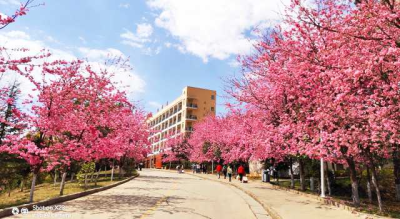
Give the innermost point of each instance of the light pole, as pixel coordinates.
(212, 167)
(322, 178)
(322, 171)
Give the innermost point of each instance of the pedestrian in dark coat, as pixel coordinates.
(224, 169)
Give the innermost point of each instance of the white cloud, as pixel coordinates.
(124, 78)
(167, 44)
(158, 50)
(154, 104)
(141, 36)
(51, 39)
(17, 35)
(124, 5)
(82, 39)
(99, 55)
(132, 44)
(217, 29)
(20, 39)
(10, 2)
(127, 79)
(234, 63)
(141, 39)
(144, 30)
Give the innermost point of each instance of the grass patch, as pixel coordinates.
(46, 191)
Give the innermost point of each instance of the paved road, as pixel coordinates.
(161, 194)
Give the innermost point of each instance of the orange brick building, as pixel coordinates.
(178, 117)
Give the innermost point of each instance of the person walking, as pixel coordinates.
(140, 166)
(229, 171)
(198, 169)
(204, 169)
(241, 172)
(178, 168)
(224, 171)
(181, 169)
(218, 169)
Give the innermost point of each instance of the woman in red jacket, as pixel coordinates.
(241, 172)
(219, 168)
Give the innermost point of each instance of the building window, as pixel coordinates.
(212, 109)
(212, 97)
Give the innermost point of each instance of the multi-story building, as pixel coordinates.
(178, 117)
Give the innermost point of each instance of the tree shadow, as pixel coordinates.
(118, 206)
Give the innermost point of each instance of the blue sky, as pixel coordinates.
(170, 43)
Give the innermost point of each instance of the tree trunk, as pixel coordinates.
(396, 170)
(55, 177)
(21, 189)
(170, 165)
(72, 177)
(312, 185)
(302, 175)
(354, 182)
(376, 185)
(328, 181)
(33, 186)
(62, 185)
(91, 176)
(119, 172)
(97, 177)
(277, 178)
(112, 173)
(86, 180)
(369, 192)
(105, 171)
(291, 174)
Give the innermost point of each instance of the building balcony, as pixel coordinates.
(189, 129)
(191, 105)
(191, 117)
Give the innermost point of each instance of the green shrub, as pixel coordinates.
(86, 169)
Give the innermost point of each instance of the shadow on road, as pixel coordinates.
(116, 205)
(158, 179)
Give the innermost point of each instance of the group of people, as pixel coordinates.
(197, 168)
(227, 171)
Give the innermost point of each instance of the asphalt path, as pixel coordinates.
(159, 194)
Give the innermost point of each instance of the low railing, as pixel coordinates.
(192, 105)
(189, 129)
(193, 117)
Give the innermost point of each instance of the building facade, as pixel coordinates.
(178, 117)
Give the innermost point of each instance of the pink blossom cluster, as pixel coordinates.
(325, 83)
(78, 115)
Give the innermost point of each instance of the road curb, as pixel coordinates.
(271, 212)
(8, 211)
